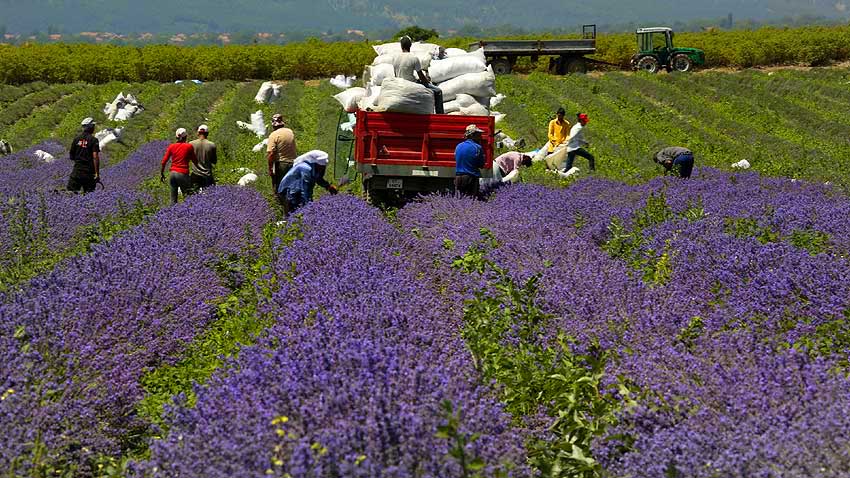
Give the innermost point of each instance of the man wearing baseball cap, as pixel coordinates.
(281, 152)
(202, 175)
(180, 153)
(469, 159)
(85, 153)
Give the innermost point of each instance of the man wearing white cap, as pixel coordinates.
(469, 159)
(180, 154)
(296, 188)
(202, 175)
(85, 153)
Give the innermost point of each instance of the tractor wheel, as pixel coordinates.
(501, 66)
(576, 65)
(648, 64)
(681, 62)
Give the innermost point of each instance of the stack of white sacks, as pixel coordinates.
(123, 108)
(269, 93)
(467, 83)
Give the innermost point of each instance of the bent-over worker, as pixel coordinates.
(308, 170)
(676, 160)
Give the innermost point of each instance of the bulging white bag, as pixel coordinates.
(265, 93)
(369, 101)
(450, 52)
(378, 73)
(383, 59)
(44, 156)
(475, 84)
(259, 146)
(349, 98)
(247, 179)
(494, 101)
(572, 172)
(258, 123)
(442, 70)
(402, 96)
(342, 82)
(474, 109)
(742, 164)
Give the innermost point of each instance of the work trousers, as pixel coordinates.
(200, 181)
(683, 164)
(438, 98)
(571, 156)
(86, 185)
(467, 185)
(179, 181)
(280, 170)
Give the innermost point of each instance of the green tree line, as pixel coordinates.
(68, 63)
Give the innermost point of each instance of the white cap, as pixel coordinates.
(203, 129)
(87, 122)
(315, 156)
(180, 133)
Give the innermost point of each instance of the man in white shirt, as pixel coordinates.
(576, 144)
(406, 65)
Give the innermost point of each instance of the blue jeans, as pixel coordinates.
(438, 98)
(684, 163)
(179, 181)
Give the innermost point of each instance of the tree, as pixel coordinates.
(417, 33)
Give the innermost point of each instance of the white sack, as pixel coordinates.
(402, 96)
(475, 84)
(259, 146)
(383, 59)
(247, 179)
(540, 154)
(258, 124)
(368, 101)
(342, 82)
(109, 138)
(461, 101)
(450, 52)
(498, 117)
(387, 48)
(265, 93)
(474, 110)
(742, 164)
(442, 70)
(572, 172)
(557, 159)
(348, 98)
(123, 115)
(378, 73)
(496, 100)
(44, 156)
(275, 91)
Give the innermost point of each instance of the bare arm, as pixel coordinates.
(270, 156)
(96, 156)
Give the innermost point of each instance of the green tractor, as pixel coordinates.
(656, 50)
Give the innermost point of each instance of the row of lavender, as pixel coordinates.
(75, 342)
(737, 340)
(351, 377)
(734, 346)
(40, 218)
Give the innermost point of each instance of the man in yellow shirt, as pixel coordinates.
(559, 129)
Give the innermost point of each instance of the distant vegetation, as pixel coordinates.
(63, 63)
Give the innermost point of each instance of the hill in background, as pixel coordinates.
(161, 16)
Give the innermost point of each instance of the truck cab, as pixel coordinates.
(656, 50)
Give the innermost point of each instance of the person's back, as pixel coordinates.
(282, 144)
(180, 154)
(82, 154)
(206, 153)
(405, 66)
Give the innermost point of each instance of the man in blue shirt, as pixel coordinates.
(469, 159)
(296, 188)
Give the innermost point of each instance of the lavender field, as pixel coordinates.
(593, 328)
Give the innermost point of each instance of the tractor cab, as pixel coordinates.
(656, 50)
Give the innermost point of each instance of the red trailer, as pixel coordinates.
(401, 155)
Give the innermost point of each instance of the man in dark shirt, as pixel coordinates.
(676, 160)
(469, 159)
(85, 153)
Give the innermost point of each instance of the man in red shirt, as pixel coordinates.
(180, 153)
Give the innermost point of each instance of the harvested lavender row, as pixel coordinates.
(351, 377)
(734, 336)
(75, 342)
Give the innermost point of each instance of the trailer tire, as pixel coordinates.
(575, 65)
(501, 66)
(648, 64)
(681, 62)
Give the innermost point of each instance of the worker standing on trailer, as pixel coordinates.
(406, 65)
(296, 188)
(281, 152)
(180, 153)
(469, 159)
(202, 176)
(676, 160)
(85, 153)
(558, 129)
(576, 144)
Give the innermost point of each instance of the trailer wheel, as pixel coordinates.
(648, 64)
(501, 66)
(575, 65)
(681, 62)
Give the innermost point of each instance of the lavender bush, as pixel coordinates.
(75, 342)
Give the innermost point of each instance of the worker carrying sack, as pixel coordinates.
(401, 96)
